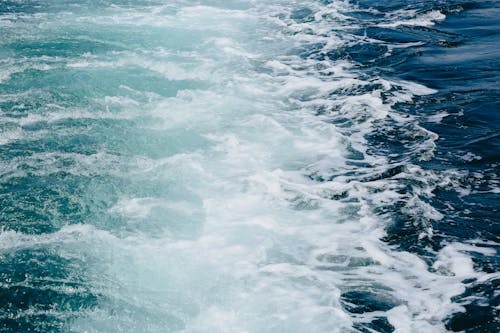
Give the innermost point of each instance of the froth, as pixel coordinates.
(261, 212)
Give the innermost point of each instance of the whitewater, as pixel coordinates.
(206, 166)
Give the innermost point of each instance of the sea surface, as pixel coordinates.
(249, 166)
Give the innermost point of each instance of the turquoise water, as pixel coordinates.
(213, 166)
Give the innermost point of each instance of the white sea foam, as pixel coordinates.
(266, 221)
(427, 19)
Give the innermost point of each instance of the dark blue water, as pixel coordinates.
(460, 58)
(249, 166)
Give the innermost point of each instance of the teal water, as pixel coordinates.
(206, 166)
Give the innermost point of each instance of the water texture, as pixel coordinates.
(249, 166)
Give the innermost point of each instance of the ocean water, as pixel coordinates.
(249, 166)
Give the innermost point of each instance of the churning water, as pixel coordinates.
(249, 166)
